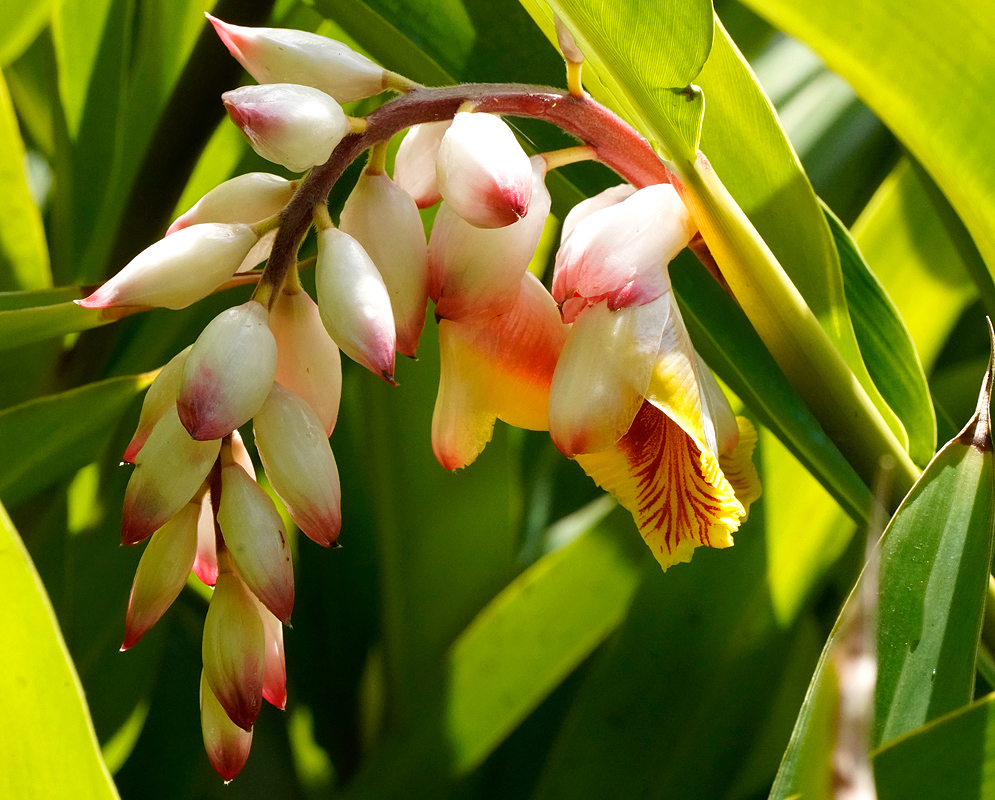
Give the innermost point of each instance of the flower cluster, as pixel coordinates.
(603, 362)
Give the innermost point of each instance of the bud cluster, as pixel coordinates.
(581, 362)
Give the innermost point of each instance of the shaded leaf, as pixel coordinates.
(21, 326)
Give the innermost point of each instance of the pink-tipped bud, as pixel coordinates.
(620, 253)
(483, 173)
(247, 198)
(414, 165)
(354, 303)
(275, 678)
(383, 218)
(299, 464)
(234, 649)
(240, 454)
(279, 55)
(227, 745)
(169, 470)
(308, 361)
(256, 540)
(609, 197)
(160, 397)
(476, 272)
(178, 270)
(295, 126)
(161, 573)
(228, 372)
(205, 565)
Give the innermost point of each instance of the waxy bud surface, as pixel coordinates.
(281, 55)
(248, 198)
(299, 464)
(295, 126)
(227, 745)
(161, 573)
(254, 533)
(606, 199)
(482, 171)
(160, 397)
(178, 270)
(228, 372)
(169, 470)
(275, 677)
(414, 164)
(354, 303)
(205, 565)
(383, 218)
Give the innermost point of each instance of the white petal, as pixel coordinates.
(583, 209)
(248, 198)
(414, 165)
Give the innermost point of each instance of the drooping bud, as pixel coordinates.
(256, 540)
(308, 361)
(205, 565)
(354, 303)
(476, 272)
(383, 218)
(248, 198)
(228, 372)
(609, 197)
(621, 252)
(299, 464)
(227, 745)
(295, 126)
(278, 55)
(414, 164)
(160, 397)
(234, 648)
(169, 470)
(178, 270)
(482, 171)
(161, 573)
(275, 677)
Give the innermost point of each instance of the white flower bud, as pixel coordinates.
(295, 126)
(383, 218)
(279, 55)
(414, 164)
(227, 745)
(354, 303)
(609, 197)
(275, 675)
(228, 372)
(248, 198)
(482, 171)
(205, 564)
(299, 464)
(178, 270)
(308, 361)
(160, 397)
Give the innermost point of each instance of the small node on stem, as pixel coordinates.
(292, 282)
(569, 155)
(263, 227)
(395, 82)
(358, 124)
(264, 293)
(572, 55)
(322, 219)
(378, 159)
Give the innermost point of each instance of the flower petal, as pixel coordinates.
(414, 165)
(584, 209)
(248, 198)
(227, 745)
(738, 466)
(676, 492)
(275, 677)
(160, 397)
(205, 565)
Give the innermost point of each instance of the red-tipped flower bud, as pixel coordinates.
(354, 303)
(205, 565)
(308, 361)
(160, 397)
(228, 372)
(299, 464)
(178, 270)
(295, 126)
(414, 165)
(254, 533)
(483, 173)
(606, 199)
(234, 649)
(383, 218)
(161, 573)
(275, 678)
(279, 55)
(227, 744)
(247, 198)
(169, 470)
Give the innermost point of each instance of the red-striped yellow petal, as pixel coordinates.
(738, 466)
(498, 369)
(675, 491)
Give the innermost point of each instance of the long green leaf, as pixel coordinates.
(25, 325)
(905, 59)
(51, 437)
(48, 749)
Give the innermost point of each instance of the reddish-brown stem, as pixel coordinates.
(615, 144)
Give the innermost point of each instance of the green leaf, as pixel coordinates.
(646, 79)
(48, 748)
(952, 758)
(935, 557)
(928, 72)
(23, 253)
(887, 347)
(19, 326)
(22, 22)
(536, 631)
(51, 437)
